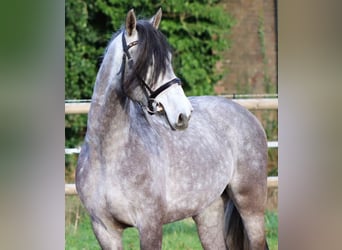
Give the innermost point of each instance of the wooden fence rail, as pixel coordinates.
(71, 151)
(258, 103)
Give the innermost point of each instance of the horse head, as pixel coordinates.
(147, 74)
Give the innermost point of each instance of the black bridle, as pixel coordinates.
(152, 106)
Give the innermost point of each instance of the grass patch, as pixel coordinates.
(178, 235)
(271, 224)
(82, 238)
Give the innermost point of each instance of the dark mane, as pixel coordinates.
(152, 44)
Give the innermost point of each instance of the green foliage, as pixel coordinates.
(194, 29)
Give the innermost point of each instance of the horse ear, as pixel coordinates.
(131, 22)
(155, 20)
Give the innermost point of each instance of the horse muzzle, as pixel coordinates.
(175, 106)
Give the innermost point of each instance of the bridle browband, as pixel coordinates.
(152, 106)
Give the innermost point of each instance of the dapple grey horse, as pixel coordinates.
(145, 162)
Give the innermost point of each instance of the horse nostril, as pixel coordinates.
(182, 121)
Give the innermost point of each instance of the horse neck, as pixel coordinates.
(108, 72)
(108, 105)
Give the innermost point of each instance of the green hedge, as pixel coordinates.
(194, 29)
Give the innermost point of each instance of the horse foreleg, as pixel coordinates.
(210, 224)
(151, 236)
(107, 234)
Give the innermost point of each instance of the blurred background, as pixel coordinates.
(33, 69)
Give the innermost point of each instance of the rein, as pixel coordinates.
(152, 106)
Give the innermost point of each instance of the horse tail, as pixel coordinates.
(235, 233)
(234, 230)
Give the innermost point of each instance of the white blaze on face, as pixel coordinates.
(176, 105)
